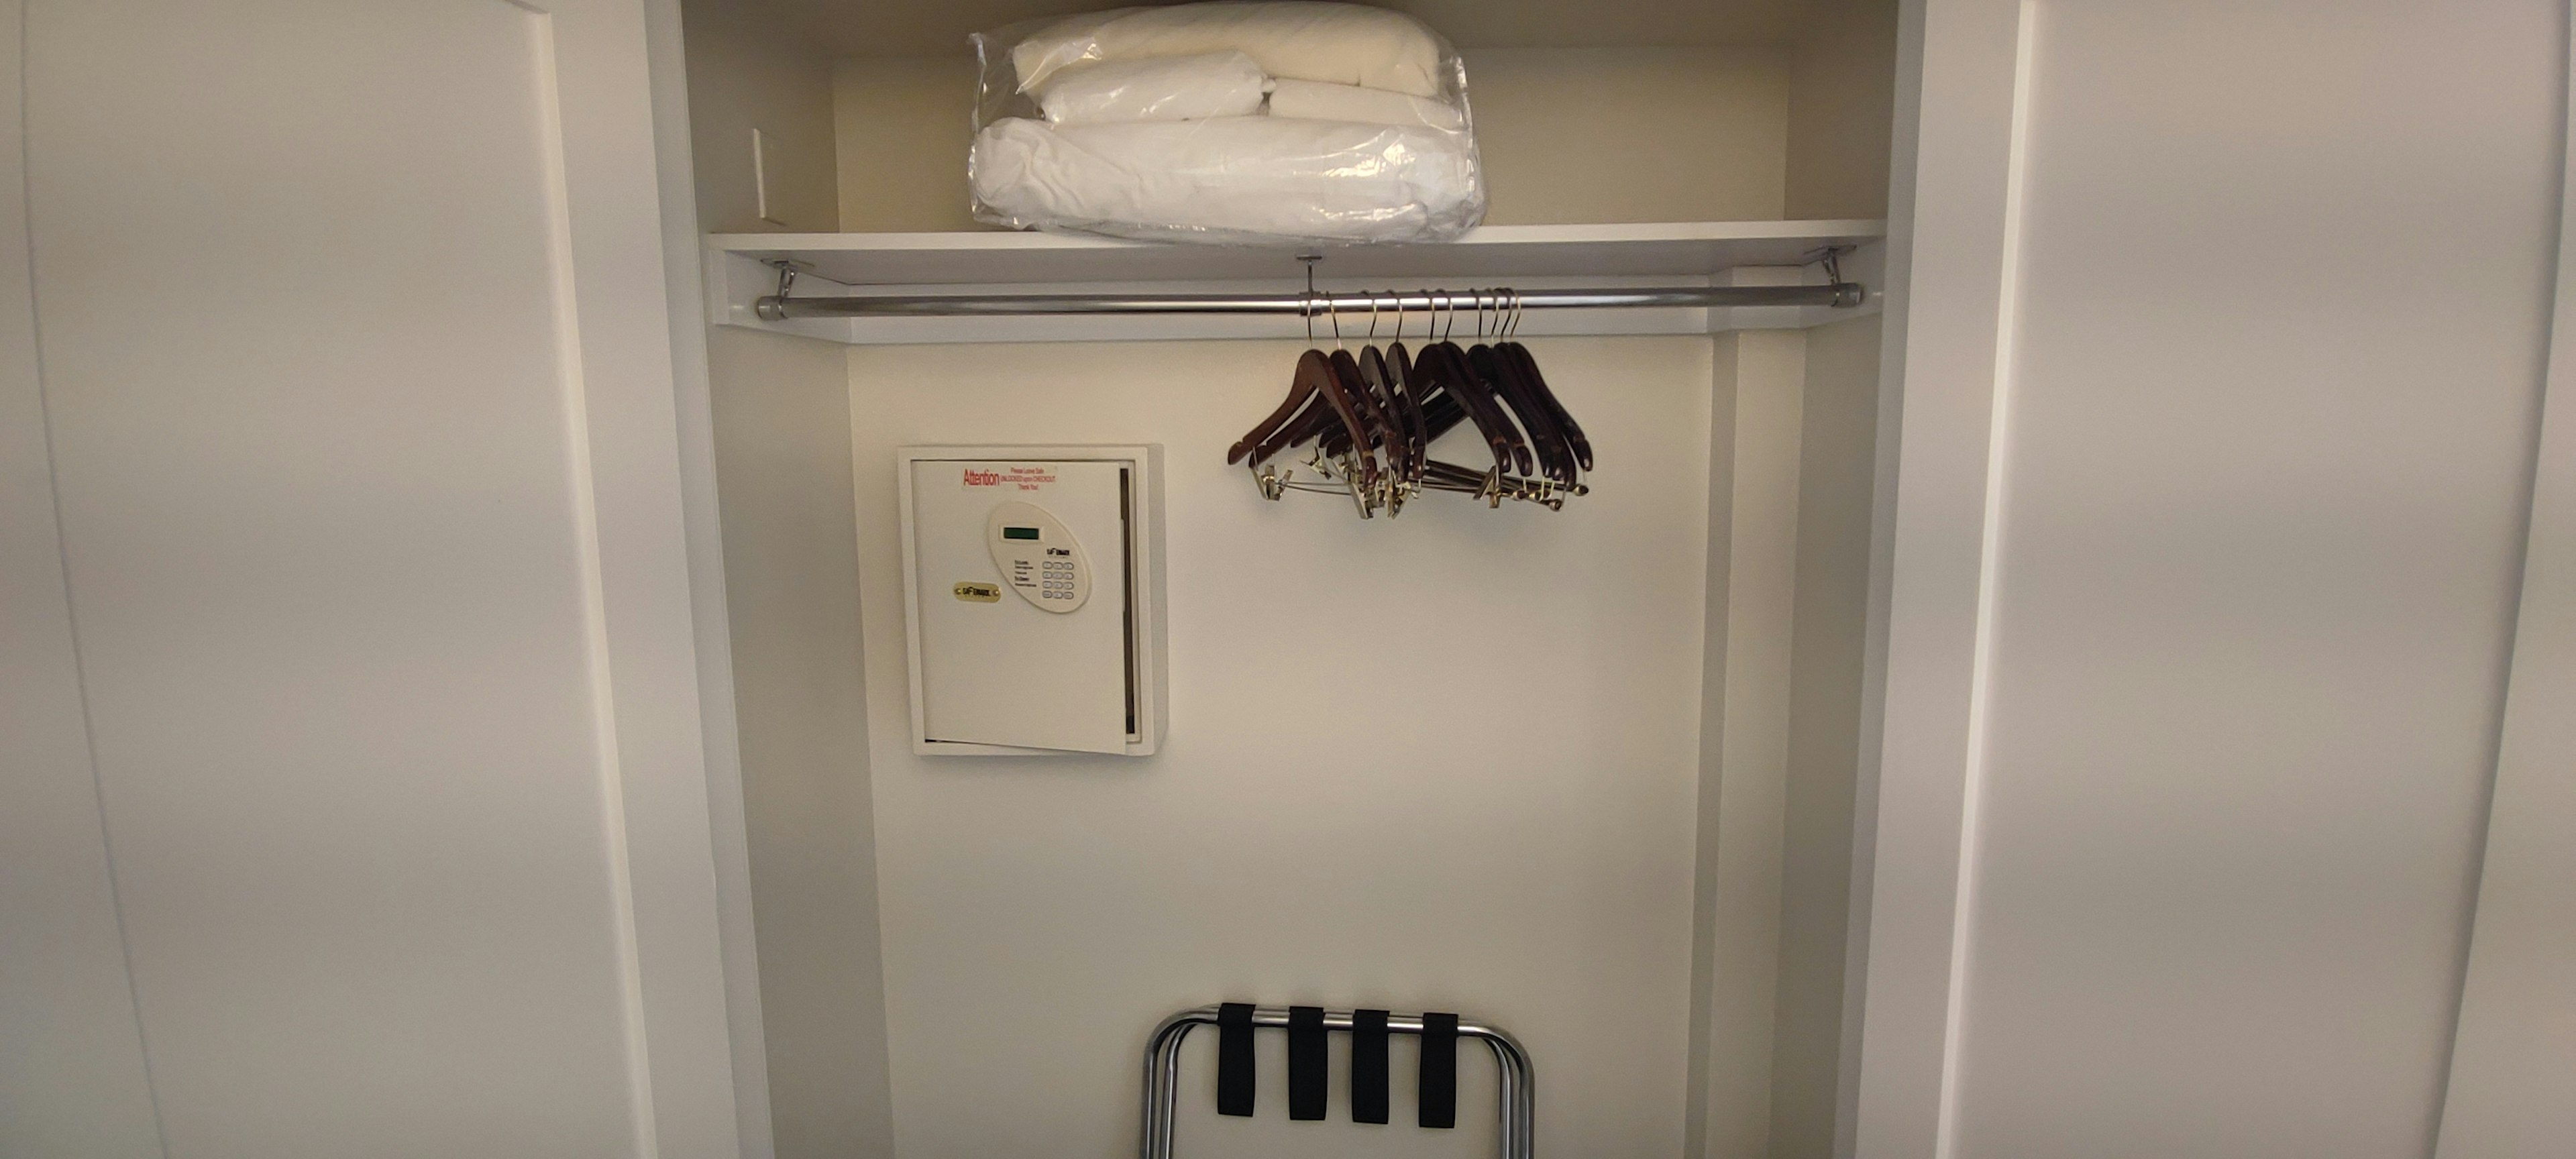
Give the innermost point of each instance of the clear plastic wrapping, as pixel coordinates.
(1233, 122)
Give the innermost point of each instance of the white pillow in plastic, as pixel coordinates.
(1166, 88)
(1319, 101)
(1348, 44)
(1228, 178)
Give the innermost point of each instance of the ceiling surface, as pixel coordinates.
(939, 27)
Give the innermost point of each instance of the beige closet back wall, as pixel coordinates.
(1038, 915)
(1447, 760)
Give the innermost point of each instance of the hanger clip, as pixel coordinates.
(1270, 480)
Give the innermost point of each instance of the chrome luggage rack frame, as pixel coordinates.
(1517, 1083)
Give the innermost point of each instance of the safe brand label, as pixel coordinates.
(1009, 477)
(978, 593)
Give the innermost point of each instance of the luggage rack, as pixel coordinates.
(1516, 1082)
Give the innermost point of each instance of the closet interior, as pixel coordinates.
(1584, 769)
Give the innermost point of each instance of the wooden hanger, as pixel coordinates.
(1390, 369)
(1301, 390)
(1403, 435)
(1374, 414)
(1301, 394)
(1555, 457)
(1456, 377)
(1520, 356)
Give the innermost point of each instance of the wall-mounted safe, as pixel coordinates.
(1033, 615)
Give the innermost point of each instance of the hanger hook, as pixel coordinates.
(1333, 315)
(1516, 312)
(1372, 335)
(1308, 301)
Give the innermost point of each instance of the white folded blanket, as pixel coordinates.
(1301, 39)
(1162, 88)
(1229, 176)
(1318, 101)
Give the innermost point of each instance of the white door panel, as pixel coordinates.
(2253, 595)
(2250, 456)
(358, 393)
(72, 1077)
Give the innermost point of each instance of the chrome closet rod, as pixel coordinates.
(1518, 1084)
(776, 309)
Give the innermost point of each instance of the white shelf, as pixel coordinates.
(921, 259)
(1526, 257)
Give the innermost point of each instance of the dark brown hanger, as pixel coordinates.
(1440, 412)
(1555, 458)
(1458, 379)
(1327, 403)
(1394, 370)
(1345, 395)
(1375, 412)
(1374, 421)
(1528, 363)
(1379, 417)
(1301, 391)
(1398, 434)
(1520, 356)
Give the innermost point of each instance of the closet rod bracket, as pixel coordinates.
(774, 307)
(1846, 294)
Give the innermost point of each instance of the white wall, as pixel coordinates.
(1791, 441)
(1842, 92)
(780, 409)
(782, 412)
(1446, 761)
(2263, 458)
(1631, 134)
(903, 132)
(1837, 448)
(1758, 392)
(751, 66)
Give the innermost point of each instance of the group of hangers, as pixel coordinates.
(1372, 416)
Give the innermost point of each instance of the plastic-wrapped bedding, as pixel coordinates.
(1342, 43)
(1228, 178)
(1162, 88)
(1242, 122)
(1319, 101)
